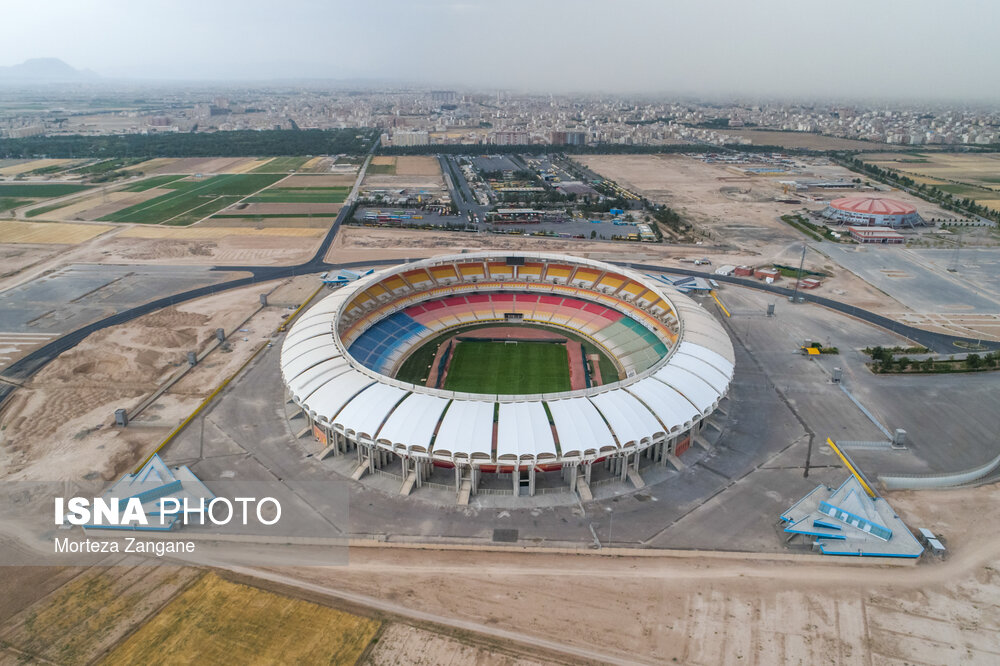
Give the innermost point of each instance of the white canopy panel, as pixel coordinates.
(673, 409)
(467, 428)
(315, 357)
(303, 385)
(413, 421)
(367, 410)
(523, 430)
(310, 330)
(696, 390)
(629, 419)
(705, 371)
(579, 426)
(305, 346)
(716, 360)
(331, 398)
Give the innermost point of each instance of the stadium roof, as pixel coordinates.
(665, 400)
(873, 206)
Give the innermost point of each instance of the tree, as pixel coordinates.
(973, 361)
(904, 363)
(927, 365)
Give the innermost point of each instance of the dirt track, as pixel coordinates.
(701, 609)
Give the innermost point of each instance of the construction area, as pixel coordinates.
(698, 556)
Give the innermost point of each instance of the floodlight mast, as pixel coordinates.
(798, 280)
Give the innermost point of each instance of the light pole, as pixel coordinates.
(611, 527)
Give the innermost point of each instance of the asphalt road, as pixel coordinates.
(938, 342)
(27, 366)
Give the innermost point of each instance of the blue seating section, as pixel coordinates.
(375, 348)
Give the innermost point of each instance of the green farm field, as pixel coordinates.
(150, 183)
(40, 190)
(301, 195)
(193, 200)
(499, 367)
(281, 165)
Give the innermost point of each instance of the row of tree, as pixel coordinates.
(239, 143)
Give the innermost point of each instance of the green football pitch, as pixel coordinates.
(508, 368)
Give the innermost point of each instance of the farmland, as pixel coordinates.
(964, 176)
(39, 190)
(150, 183)
(301, 195)
(281, 165)
(192, 200)
(216, 621)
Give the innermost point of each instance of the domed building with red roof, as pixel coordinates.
(873, 212)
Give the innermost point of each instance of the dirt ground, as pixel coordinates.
(405, 645)
(59, 426)
(231, 249)
(722, 608)
(364, 243)
(805, 140)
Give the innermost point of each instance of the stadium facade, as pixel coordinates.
(673, 359)
(872, 212)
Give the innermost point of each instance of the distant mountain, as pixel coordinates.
(44, 70)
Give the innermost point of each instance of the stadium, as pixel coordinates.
(872, 212)
(505, 373)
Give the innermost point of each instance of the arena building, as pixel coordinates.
(508, 370)
(872, 212)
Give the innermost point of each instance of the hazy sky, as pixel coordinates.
(830, 48)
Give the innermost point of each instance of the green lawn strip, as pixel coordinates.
(292, 196)
(40, 190)
(281, 165)
(508, 368)
(10, 203)
(35, 212)
(228, 216)
(189, 195)
(150, 183)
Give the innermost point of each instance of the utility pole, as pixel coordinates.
(802, 263)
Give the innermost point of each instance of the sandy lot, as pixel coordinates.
(721, 608)
(30, 165)
(805, 140)
(59, 426)
(383, 160)
(418, 166)
(205, 233)
(49, 232)
(364, 243)
(16, 257)
(222, 247)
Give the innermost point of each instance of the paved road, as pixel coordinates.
(939, 342)
(26, 367)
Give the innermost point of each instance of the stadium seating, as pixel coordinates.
(615, 311)
(383, 344)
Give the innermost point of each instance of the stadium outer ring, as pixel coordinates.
(362, 398)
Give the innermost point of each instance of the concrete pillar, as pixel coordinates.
(572, 477)
(531, 481)
(516, 478)
(623, 462)
(458, 478)
(402, 466)
(371, 460)
(475, 478)
(586, 471)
